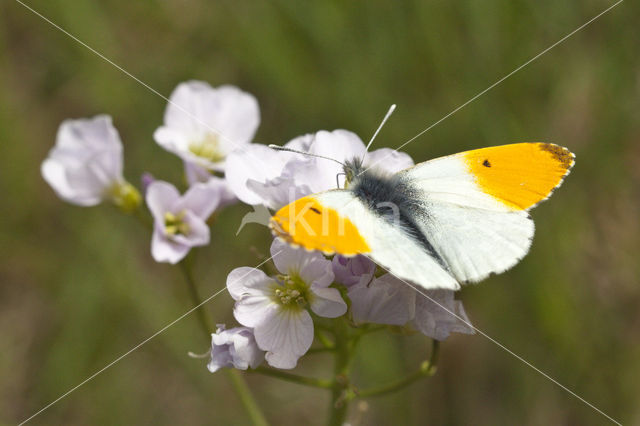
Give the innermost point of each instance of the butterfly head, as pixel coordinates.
(352, 169)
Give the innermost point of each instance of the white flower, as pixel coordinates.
(258, 174)
(234, 348)
(180, 221)
(202, 125)
(276, 308)
(85, 165)
(388, 300)
(283, 177)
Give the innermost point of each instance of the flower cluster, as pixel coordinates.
(277, 307)
(211, 131)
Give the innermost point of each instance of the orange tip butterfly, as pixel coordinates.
(443, 222)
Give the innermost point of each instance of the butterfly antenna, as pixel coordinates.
(284, 148)
(384, 120)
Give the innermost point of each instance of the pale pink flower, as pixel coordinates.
(85, 165)
(276, 307)
(235, 348)
(180, 221)
(389, 300)
(202, 124)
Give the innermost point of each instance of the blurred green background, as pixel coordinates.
(78, 286)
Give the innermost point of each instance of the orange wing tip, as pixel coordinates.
(565, 157)
(520, 175)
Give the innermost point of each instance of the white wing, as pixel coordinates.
(392, 249)
(476, 242)
(476, 203)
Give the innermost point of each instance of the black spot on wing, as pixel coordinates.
(486, 163)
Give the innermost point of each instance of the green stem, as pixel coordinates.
(322, 338)
(238, 382)
(427, 368)
(294, 378)
(203, 319)
(339, 399)
(249, 402)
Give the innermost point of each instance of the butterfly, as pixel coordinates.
(451, 220)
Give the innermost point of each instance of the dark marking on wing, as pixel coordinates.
(486, 163)
(313, 209)
(563, 155)
(389, 196)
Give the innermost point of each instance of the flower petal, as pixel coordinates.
(341, 145)
(253, 162)
(161, 196)
(293, 260)
(286, 337)
(177, 143)
(89, 135)
(201, 199)
(388, 159)
(234, 348)
(435, 317)
(385, 300)
(235, 114)
(245, 350)
(165, 250)
(198, 231)
(301, 143)
(349, 270)
(195, 173)
(53, 172)
(254, 310)
(327, 302)
(197, 112)
(277, 192)
(245, 280)
(86, 160)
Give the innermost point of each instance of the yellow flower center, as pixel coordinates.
(174, 224)
(291, 292)
(208, 148)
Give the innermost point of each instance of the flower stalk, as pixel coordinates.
(426, 369)
(238, 382)
(340, 394)
(294, 378)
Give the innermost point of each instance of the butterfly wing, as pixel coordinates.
(338, 222)
(475, 203)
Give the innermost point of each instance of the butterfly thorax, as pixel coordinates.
(375, 187)
(391, 197)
